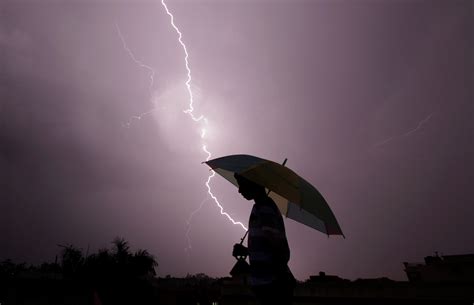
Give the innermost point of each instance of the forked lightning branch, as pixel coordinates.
(201, 120)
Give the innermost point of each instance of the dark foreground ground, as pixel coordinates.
(223, 291)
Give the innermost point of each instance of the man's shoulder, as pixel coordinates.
(266, 206)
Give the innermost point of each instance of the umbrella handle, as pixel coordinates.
(243, 238)
(268, 193)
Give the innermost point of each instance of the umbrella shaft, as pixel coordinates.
(243, 238)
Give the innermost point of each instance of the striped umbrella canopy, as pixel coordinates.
(296, 198)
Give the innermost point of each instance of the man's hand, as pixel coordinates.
(240, 251)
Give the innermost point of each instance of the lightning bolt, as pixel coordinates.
(406, 134)
(188, 224)
(201, 119)
(141, 65)
(190, 110)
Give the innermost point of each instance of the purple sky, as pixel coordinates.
(337, 87)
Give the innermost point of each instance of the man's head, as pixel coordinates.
(249, 189)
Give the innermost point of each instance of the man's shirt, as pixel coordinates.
(267, 244)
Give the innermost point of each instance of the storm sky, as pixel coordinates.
(371, 101)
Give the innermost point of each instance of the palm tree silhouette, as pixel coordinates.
(144, 263)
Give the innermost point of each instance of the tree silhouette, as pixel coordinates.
(121, 248)
(72, 260)
(118, 262)
(9, 269)
(101, 265)
(144, 263)
(114, 276)
(122, 257)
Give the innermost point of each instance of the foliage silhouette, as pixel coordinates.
(118, 262)
(114, 276)
(72, 260)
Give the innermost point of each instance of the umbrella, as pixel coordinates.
(296, 198)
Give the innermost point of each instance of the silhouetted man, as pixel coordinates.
(270, 278)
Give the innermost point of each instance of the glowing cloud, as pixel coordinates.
(203, 120)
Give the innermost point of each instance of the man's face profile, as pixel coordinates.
(248, 189)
